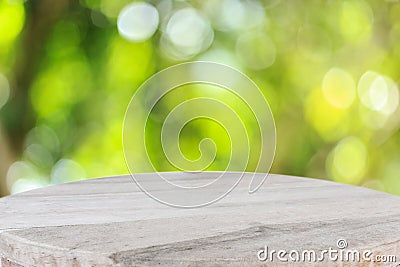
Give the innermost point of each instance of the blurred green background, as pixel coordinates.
(329, 69)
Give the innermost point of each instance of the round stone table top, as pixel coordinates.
(111, 222)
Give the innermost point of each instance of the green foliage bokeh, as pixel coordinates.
(67, 75)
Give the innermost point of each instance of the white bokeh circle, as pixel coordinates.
(138, 21)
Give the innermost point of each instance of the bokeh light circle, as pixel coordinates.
(339, 88)
(349, 160)
(186, 34)
(378, 93)
(138, 21)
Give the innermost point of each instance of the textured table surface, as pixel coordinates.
(110, 222)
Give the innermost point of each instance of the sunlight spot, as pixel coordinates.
(339, 88)
(187, 34)
(349, 160)
(378, 93)
(138, 21)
